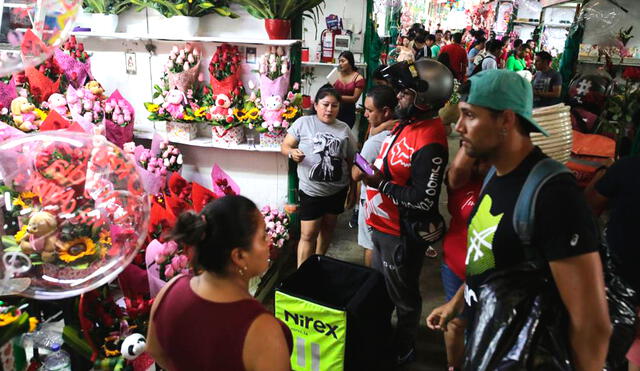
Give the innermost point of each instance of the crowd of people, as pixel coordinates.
(521, 266)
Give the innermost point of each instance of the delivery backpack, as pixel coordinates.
(339, 314)
(520, 322)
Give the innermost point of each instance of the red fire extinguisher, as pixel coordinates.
(327, 45)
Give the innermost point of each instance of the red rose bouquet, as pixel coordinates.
(224, 69)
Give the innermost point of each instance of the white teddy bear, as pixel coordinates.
(272, 112)
(222, 110)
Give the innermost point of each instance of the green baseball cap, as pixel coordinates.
(503, 90)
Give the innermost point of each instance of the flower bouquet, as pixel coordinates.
(13, 322)
(224, 69)
(119, 117)
(7, 94)
(183, 67)
(278, 115)
(223, 114)
(86, 108)
(277, 224)
(156, 164)
(274, 73)
(74, 62)
(181, 110)
(44, 79)
(249, 115)
(223, 185)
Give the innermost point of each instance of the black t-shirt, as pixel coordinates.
(621, 185)
(563, 224)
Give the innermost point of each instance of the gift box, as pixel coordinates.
(181, 131)
(204, 130)
(223, 136)
(271, 139)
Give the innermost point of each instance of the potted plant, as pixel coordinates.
(105, 13)
(184, 14)
(278, 14)
(308, 77)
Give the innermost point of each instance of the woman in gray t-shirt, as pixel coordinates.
(324, 148)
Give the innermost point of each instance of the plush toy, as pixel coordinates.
(23, 115)
(222, 110)
(95, 88)
(272, 112)
(133, 346)
(57, 102)
(40, 236)
(173, 103)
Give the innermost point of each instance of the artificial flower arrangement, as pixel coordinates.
(44, 80)
(249, 115)
(275, 72)
(182, 68)
(277, 225)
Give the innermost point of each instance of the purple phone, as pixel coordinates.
(363, 165)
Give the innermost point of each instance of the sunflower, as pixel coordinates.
(187, 117)
(33, 324)
(110, 346)
(239, 114)
(76, 249)
(40, 113)
(253, 114)
(21, 233)
(153, 108)
(8, 318)
(291, 113)
(200, 112)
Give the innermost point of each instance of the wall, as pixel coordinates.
(261, 176)
(353, 13)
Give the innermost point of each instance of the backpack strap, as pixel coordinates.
(525, 209)
(487, 178)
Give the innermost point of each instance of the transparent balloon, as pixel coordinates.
(30, 31)
(75, 214)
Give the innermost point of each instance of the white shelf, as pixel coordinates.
(322, 64)
(208, 143)
(634, 62)
(529, 23)
(203, 39)
(558, 25)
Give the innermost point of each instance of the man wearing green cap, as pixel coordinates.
(495, 123)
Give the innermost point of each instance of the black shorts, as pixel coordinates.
(312, 208)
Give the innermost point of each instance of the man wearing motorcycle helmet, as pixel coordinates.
(402, 197)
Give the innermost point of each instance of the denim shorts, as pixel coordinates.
(450, 281)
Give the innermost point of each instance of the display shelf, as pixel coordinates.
(529, 23)
(207, 143)
(633, 63)
(558, 25)
(203, 39)
(323, 64)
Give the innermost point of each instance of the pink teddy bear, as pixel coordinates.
(272, 112)
(57, 102)
(173, 103)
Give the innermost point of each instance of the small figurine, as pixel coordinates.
(39, 237)
(23, 115)
(272, 112)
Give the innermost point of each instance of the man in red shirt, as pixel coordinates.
(457, 57)
(402, 197)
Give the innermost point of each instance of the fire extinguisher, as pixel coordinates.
(327, 45)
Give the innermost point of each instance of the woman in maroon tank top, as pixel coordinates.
(210, 321)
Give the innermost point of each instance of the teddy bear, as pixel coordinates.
(272, 112)
(173, 103)
(57, 102)
(95, 88)
(40, 236)
(222, 110)
(23, 115)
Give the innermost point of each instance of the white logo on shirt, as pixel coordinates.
(401, 154)
(372, 206)
(469, 295)
(574, 240)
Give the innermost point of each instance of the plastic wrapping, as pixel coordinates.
(623, 301)
(75, 213)
(518, 324)
(34, 30)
